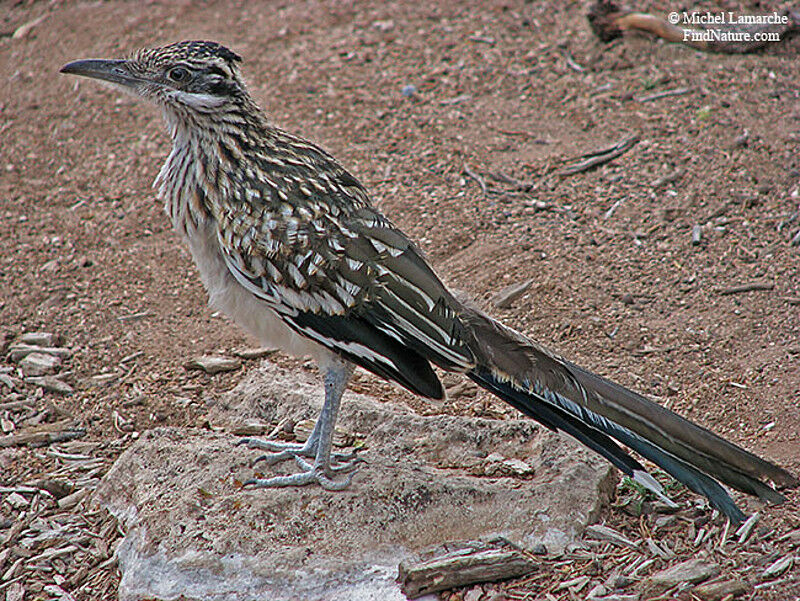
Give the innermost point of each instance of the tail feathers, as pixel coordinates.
(594, 410)
(594, 431)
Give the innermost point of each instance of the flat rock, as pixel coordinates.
(193, 533)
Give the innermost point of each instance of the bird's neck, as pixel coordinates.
(205, 149)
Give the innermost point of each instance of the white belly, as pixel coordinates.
(249, 312)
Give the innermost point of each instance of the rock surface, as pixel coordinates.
(192, 532)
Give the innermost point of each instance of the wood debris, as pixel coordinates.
(598, 157)
(462, 565)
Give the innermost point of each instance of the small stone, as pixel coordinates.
(212, 364)
(779, 567)
(383, 26)
(597, 591)
(17, 501)
(697, 235)
(691, 571)
(39, 364)
(497, 465)
(474, 594)
(39, 339)
(408, 90)
(714, 591)
(51, 384)
(627, 299)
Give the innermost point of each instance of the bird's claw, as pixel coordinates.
(315, 474)
(339, 463)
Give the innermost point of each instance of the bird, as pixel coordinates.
(289, 245)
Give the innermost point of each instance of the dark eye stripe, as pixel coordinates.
(217, 71)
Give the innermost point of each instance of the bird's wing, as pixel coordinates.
(346, 278)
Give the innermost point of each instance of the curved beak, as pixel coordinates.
(114, 71)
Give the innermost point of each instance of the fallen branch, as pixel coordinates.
(598, 157)
(470, 563)
(609, 22)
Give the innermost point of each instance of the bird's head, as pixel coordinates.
(185, 77)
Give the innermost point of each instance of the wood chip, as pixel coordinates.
(745, 529)
(39, 339)
(605, 533)
(39, 364)
(254, 353)
(16, 352)
(506, 297)
(691, 571)
(470, 563)
(779, 567)
(722, 589)
(212, 364)
(51, 384)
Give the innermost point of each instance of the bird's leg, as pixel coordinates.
(318, 445)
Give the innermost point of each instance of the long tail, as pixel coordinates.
(596, 411)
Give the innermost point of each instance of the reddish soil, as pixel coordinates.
(617, 286)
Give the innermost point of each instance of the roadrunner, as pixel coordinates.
(288, 244)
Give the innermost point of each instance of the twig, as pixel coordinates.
(749, 287)
(476, 177)
(528, 134)
(571, 61)
(134, 316)
(664, 94)
(599, 157)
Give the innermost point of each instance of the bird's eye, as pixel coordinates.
(178, 74)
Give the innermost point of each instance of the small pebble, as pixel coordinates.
(408, 90)
(697, 235)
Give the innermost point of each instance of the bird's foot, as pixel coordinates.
(282, 451)
(316, 473)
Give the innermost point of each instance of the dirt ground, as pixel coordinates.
(439, 108)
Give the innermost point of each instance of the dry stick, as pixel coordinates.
(749, 287)
(608, 22)
(592, 159)
(664, 94)
(476, 177)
